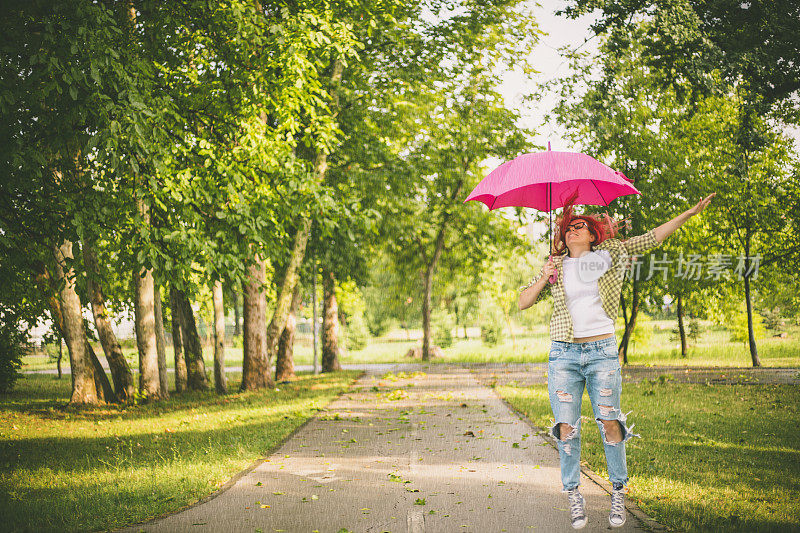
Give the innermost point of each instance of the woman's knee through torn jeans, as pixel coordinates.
(594, 364)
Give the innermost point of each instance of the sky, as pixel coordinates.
(560, 31)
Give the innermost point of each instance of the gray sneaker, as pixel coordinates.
(617, 515)
(577, 509)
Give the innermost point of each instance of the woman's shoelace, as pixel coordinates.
(617, 503)
(575, 507)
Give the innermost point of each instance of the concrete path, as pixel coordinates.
(434, 452)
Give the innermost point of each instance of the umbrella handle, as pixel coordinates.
(553, 276)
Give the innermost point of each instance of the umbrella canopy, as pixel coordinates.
(546, 180)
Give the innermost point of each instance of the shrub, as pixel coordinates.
(378, 324)
(356, 333)
(492, 332)
(773, 320)
(643, 331)
(128, 343)
(695, 329)
(739, 331)
(675, 334)
(12, 348)
(442, 324)
(52, 351)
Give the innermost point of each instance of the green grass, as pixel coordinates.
(712, 349)
(715, 349)
(711, 457)
(59, 465)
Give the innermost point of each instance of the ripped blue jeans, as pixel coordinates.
(594, 364)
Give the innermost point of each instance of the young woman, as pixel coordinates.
(591, 264)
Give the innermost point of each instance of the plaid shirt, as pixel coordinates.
(609, 284)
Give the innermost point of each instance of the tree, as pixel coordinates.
(181, 378)
(220, 379)
(120, 371)
(745, 53)
(455, 122)
(330, 324)
(65, 94)
(284, 362)
(616, 118)
(755, 44)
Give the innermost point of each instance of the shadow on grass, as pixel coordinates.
(711, 457)
(137, 461)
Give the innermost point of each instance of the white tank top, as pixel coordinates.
(582, 294)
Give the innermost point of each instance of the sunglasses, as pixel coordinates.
(576, 225)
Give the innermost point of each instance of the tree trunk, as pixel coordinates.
(624, 310)
(102, 386)
(105, 391)
(120, 371)
(631, 324)
(750, 335)
(314, 328)
(84, 390)
(426, 313)
(60, 354)
(177, 342)
(161, 347)
(195, 365)
(255, 366)
(145, 325)
(220, 380)
(681, 327)
(284, 361)
(237, 319)
(286, 292)
(428, 279)
(44, 283)
(330, 323)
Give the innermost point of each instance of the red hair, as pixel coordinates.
(601, 226)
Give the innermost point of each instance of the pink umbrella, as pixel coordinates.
(545, 180)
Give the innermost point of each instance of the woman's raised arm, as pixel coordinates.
(667, 228)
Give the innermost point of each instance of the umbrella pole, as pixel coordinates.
(553, 277)
(550, 210)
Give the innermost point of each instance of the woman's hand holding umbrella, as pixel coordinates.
(549, 268)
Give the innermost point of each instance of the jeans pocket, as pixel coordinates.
(611, 351)
(555, 353)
